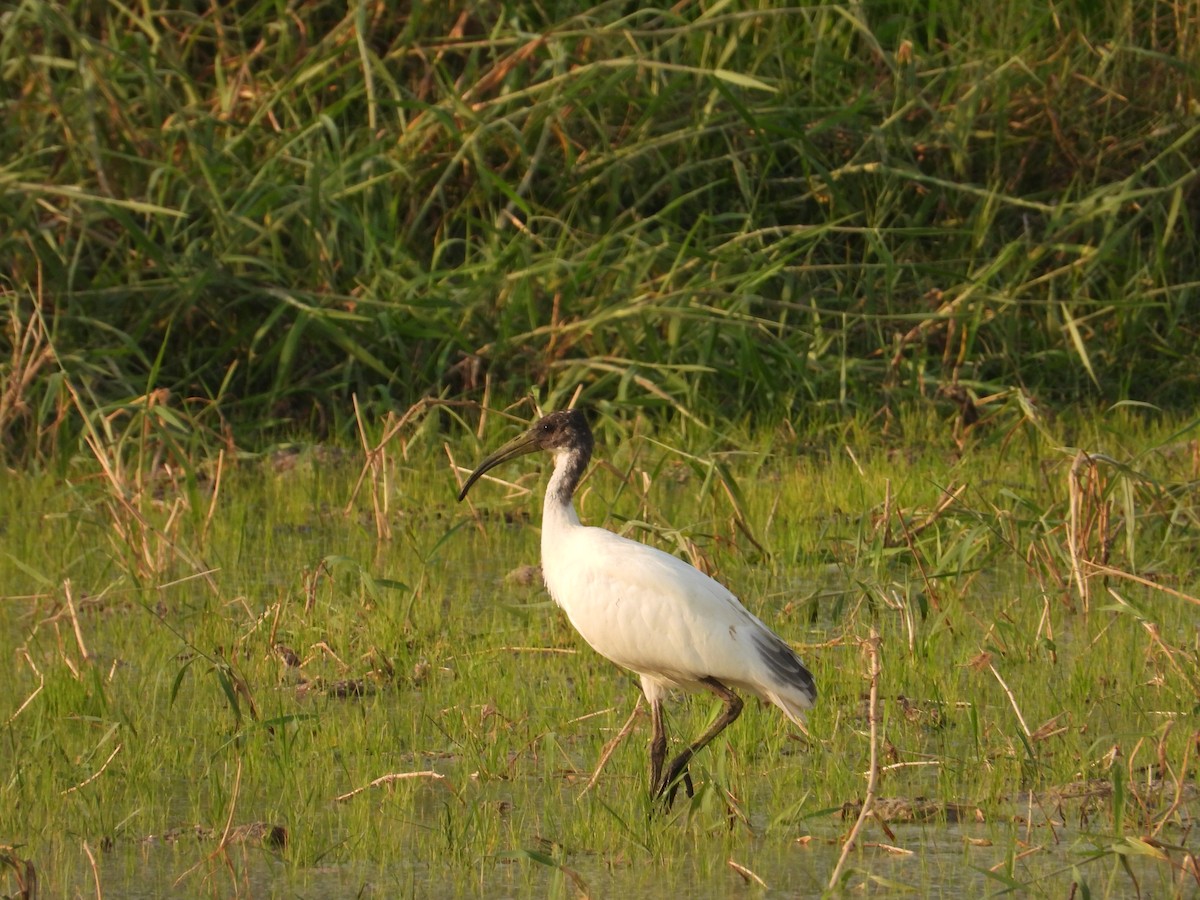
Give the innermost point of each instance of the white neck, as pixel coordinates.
(557, 510)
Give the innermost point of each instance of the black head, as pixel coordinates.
(565, 431)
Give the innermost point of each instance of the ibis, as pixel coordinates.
(649, 611)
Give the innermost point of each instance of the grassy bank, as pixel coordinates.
(267, 678)
(714, 210)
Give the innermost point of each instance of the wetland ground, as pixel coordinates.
(312, 673)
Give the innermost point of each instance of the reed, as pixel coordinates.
(706, 212)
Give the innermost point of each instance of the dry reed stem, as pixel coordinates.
(205, 573)
(1180, 783)
(373, 453)
(30, 352)
(20, 709)
(95, 870)
(746, 874)
(1152, 630)
(1012, 700)
(854, 459)
(223, 843)
(94, 775)
(1145, 582)
(233, 805)
(592, 715)
(612, 745)
(216, 492)
(484, 405)
(949, 497)
(913, 764)
(1075, 501)
(311, 579)
(377, 463)
(127, 521)
(83, 650)
(1024, 853)
(509, 648)
(930, 590)
(872, 644)
(388, 779)
(328, 651)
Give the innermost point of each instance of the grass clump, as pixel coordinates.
(708, 210)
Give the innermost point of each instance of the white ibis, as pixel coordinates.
(648, 611)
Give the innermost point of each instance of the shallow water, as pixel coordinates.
(934, 860)
(1035, 842)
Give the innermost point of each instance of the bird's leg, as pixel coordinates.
(658, 751)
(733, 708)
(658, 742)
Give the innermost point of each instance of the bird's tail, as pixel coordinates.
(793, 704)
(791, 686)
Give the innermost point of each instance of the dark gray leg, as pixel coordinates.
(658, 743)
(670, 784)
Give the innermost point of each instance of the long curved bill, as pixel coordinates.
(519, 446)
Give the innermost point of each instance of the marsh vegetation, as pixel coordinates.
(271, 673)
(883, 313)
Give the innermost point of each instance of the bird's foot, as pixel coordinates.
(676, 775)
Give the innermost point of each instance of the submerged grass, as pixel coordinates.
(288, 697)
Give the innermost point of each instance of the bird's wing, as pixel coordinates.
(652, 612)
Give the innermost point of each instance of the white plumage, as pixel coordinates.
(648, 611)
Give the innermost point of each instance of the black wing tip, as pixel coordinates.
(785, 664)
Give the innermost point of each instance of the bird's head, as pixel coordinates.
(565, 431)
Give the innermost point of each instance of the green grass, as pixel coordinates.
(846, 288)
(184, 712)
(711, 211)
